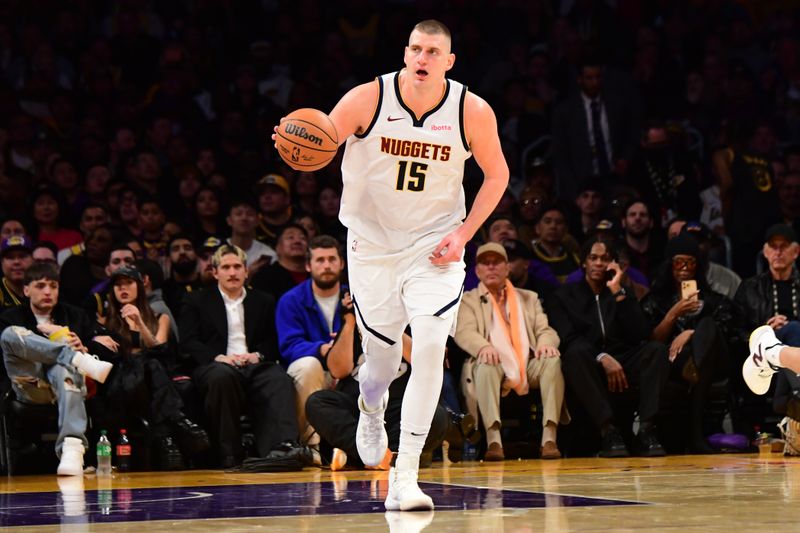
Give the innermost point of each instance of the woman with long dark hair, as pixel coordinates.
(140, 382)
(693, 324)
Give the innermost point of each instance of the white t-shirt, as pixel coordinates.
(328, 306)
(256, 250)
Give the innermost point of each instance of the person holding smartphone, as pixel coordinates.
(693, 320)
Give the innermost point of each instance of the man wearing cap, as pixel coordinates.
(275, 205)
(204, 265)
(511, 347)
(772, 298)
(15, 256)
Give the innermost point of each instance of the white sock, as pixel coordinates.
(493, 434)
(378, 371)
(429, 335)
(549, 433)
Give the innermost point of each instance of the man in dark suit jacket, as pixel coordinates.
(228, 332)
(582, 148)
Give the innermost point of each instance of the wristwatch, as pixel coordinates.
(620, 292)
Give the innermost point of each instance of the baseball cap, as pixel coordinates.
(697, 229)
(781, 230)
(515, 248)
(273, 179)
(127, 272)
(16, 242)
(211, 243)
(491, 247)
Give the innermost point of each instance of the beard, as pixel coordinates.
(184, 268)
(326, 283)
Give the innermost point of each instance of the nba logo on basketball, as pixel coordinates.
(295, 153)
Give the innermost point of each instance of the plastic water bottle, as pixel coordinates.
(124, 451)
(103, 455)
(470, 451)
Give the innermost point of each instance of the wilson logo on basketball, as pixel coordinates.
(299, 131)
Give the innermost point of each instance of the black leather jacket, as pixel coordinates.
(715, 305)
(754, 301)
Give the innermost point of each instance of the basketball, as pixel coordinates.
(307, 139)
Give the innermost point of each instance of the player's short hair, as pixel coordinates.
(323, 241)
(433, 27)
(41, 270)
(227, 249)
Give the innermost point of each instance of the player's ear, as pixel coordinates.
(451, 59)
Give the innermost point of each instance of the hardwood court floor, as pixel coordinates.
(680, 493)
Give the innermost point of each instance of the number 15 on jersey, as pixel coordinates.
(411, 176)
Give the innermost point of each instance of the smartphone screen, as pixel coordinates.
(610, 275)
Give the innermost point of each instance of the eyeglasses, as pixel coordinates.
(531, 201)
(680, 263)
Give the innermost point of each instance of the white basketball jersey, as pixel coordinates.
(403, 176)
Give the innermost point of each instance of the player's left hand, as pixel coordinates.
(449, 249)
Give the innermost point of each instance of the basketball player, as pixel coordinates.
(408, 134)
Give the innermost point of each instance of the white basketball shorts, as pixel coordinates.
(391, 287)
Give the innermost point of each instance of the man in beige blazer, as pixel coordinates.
(511, 347)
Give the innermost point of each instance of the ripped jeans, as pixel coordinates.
(41, 372)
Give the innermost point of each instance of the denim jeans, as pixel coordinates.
(41, 372)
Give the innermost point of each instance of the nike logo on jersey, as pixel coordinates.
(392, 119)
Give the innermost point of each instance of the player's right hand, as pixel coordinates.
(449, 250)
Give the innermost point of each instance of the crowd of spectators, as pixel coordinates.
(662, 136)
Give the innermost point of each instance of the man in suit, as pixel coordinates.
(594, 131)
(499, 338)
(229, 334)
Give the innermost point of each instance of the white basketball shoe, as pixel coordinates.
(404, 492)
(371, 437)
(763, 361)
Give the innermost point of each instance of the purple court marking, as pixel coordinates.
(248, 501)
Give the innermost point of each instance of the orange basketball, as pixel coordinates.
(307, 139)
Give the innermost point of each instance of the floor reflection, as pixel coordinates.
(73, 504)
